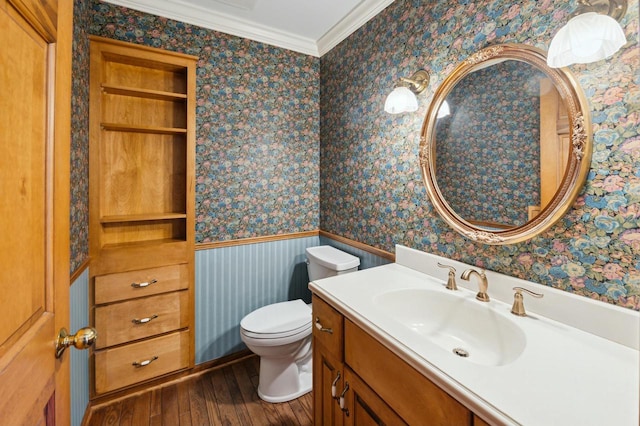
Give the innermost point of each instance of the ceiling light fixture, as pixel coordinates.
(403, 97)
(592, 34)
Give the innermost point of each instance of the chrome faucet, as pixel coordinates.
(483, 285)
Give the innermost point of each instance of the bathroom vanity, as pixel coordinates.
(349, 364)
(390, 345)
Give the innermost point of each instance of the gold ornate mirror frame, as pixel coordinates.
(579, 161)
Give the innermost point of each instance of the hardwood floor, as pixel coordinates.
(224, 396)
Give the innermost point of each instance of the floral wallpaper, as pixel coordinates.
(488, 149)
(370, 181)
(79, 208)
(257, 127)
(259, 155)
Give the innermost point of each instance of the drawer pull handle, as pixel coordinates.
(144, 363)
(143, 320)
(321, 328)
(334, 390)
(144, 284)
(345, 410)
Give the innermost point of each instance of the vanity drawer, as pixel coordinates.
(145, 282)
(413, 396)
(327, 327)
(139, 318)
(114, 368)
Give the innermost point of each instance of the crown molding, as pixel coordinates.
(359, 16)
(196, 15)
(192, 14)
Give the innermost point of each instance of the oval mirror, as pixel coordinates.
(506, 145)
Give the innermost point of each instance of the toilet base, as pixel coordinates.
(304, 389)
(282, 380)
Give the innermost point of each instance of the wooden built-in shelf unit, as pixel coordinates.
(141, 203)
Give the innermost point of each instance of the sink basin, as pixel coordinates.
(461, 325)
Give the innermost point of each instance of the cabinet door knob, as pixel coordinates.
(321, 328)
(144, 363)
(144, 284)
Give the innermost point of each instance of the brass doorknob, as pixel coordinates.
(83, 338)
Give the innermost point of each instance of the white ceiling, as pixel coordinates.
(312, 27)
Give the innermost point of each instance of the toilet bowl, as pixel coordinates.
(280, 333)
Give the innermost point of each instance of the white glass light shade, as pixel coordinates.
(401, 99)
(586, 38)
(444, 110)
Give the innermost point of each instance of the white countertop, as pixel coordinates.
(564, 376)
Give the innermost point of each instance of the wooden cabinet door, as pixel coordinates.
(364, 407)
(327, 372)
(35, 88)
(414, 397)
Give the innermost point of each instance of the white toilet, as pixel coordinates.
(280, 333)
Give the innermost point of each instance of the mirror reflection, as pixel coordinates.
(502, 147)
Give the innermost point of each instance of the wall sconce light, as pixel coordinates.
(444, 110)
(592, 34)
(403, 97)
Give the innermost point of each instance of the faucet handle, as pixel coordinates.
(482, 295)
(451, 282)
(518, 301)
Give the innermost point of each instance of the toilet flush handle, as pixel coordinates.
(321, 328)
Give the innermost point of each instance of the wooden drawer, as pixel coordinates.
(139, 318)
(123, 286)
(414, 397)
(331, 322)
(114, 368)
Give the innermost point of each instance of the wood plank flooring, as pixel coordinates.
(224, 396)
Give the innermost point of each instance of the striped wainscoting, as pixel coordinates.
(233, 281)
(79, 317)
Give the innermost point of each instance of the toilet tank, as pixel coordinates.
(327, 261)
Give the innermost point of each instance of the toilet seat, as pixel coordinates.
(278, 321)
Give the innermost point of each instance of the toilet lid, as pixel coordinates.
(278, 318)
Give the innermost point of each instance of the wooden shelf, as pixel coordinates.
(115, 127)
(143, 93)
(141, 217)
(148, 243)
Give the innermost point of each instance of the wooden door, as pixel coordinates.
(555, 141)
(35, 88)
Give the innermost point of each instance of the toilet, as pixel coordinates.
(280, 333)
